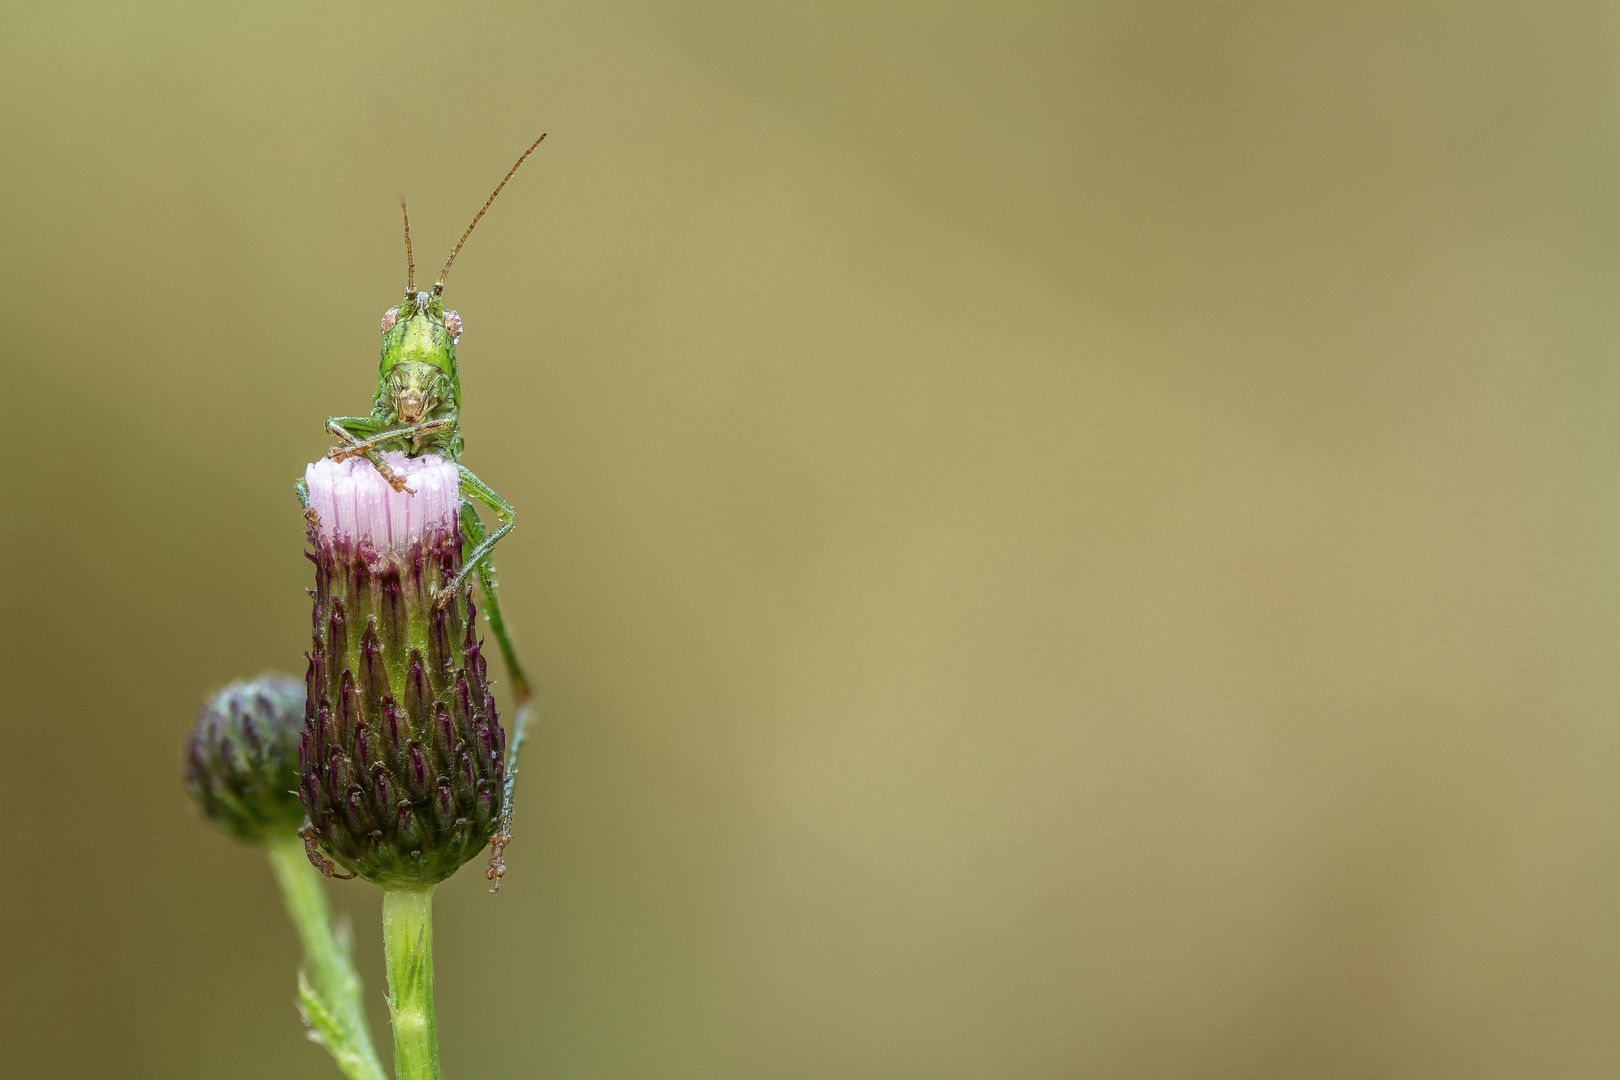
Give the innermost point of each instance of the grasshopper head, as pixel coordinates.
(420, 329)
(417, 371)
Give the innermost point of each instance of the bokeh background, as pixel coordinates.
(1057, 540)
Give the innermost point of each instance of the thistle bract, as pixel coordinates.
(242, 759)
(401, 762)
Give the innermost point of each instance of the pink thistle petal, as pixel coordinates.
(356, 504)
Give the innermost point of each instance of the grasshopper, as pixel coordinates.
(415, 409)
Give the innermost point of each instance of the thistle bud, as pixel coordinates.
(402, 759)
(242, 759)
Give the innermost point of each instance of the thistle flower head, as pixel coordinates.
(354, 507)
(402, 756)
(242, 759)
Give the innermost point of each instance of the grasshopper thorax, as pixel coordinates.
(416, 374)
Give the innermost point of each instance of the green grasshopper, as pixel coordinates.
(415, 409)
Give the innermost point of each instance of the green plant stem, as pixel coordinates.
(329, 988)
(408, 943)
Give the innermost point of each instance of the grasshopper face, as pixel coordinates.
(416, 374)
(415, 390)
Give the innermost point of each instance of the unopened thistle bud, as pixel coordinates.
(402, 759)
(242, 759)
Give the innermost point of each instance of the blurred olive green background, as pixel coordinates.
(1057, 540)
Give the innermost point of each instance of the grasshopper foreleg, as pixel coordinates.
(415, 431)
(365, 425)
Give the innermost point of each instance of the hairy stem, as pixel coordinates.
(329, 988)
(408, 943)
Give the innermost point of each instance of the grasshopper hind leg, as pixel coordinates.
(477, 543)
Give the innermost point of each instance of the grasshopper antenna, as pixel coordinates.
(410, 262)
(438, 286)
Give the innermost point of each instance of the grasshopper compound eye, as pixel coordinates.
(390, 317)
(452, 323)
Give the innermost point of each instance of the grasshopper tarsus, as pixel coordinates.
(497, 865)
(395, 481)
(318, 858)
